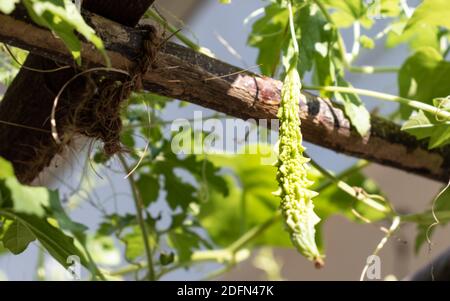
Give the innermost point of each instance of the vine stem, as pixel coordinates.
(343, 51)
(340, 44)
(220, 256)
(349, 189)
(394, 226)
(177, 33)
(356, 43)
(139, 204)
(361, 164)
(95, 270)
(40, 266)
(384, 96)
(292, 28)
(428, 218)
(253, 233)
(230, 255)
(373, 69)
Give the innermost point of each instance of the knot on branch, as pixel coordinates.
(115, 95)
(151, 45)
(97, 113)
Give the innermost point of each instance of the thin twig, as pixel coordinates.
(140, 217)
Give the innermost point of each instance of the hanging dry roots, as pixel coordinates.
(89, 105)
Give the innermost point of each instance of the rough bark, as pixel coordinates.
(29, 99)
(184, 74)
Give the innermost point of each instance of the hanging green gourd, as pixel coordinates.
(296, 198)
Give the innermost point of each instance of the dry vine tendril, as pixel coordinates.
(296, 199)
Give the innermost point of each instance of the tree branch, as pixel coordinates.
(187, 75)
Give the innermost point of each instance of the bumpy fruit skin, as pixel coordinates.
(296, 199)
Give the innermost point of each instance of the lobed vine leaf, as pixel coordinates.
(346, 12)
(431, 12)
(424, 77)
(424, 125)
(269, 35)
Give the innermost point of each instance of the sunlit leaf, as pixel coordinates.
(354, 109)
(424, 77)
(7, 6)
(424, 125)
(346, 12)
(17, 238)
(62, 17)
(431, 12)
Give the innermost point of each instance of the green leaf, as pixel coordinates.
(7, 6)
(269, 35)
(204, 170)
(28, 200)
(179, 192)
(424, 35)
(424, 77)
(115, 223)
(148, 186)
(4, 225)
(250, 201)
(62, 17)
(104, 250)
(6, 169)
(24, 199)
(367, 42)
(30, 208)
(423, 125)
(59, 245)
(185, 242)
(315, 38)
(64, 221)
(134, 246)
(3, 250)
(431, 12)
(17, 238)
(389, 8)
(354, 108)
(166, 259)
(346, 12)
